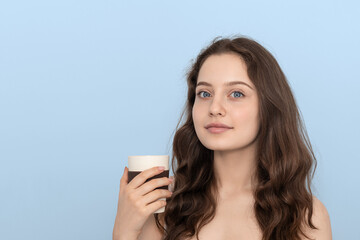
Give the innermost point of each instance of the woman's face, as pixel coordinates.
(235, 105)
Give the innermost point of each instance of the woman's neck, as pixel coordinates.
(235, 171)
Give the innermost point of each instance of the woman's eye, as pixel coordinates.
(199, 93)
(237, 94)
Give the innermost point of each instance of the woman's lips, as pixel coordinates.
(217, 129)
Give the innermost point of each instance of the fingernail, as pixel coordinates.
(161, 168)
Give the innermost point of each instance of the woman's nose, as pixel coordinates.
(217, 107)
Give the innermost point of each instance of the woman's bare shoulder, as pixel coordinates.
(321, 220)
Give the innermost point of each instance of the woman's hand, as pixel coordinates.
(137, 201)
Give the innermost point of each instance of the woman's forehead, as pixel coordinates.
(224, 70)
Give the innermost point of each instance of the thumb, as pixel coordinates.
(124, 178)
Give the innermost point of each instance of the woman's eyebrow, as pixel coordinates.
(226, 84)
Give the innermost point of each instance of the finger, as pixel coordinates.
(143, 176)
(151, 185)
(153, 207)
(155, 195)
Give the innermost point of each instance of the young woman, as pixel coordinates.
(242, 160)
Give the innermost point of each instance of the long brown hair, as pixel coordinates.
(283, 198)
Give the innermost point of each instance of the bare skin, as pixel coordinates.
(234, 219)
(234, 152)
(237, 106)
(235, 149)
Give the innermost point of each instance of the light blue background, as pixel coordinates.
(84, 84)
